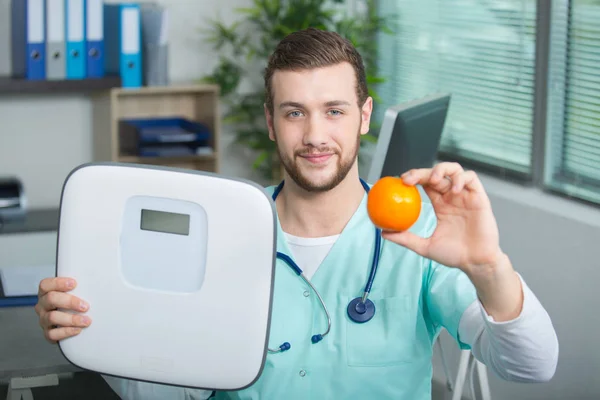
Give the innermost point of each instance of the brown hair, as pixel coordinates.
(314, 48)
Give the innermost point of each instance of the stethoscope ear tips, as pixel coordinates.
(316, 338)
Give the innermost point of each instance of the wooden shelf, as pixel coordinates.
(166, 90)
(197, 103)
(167, 160)
(24, 86)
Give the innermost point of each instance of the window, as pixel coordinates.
(483, 52)
(573, 122)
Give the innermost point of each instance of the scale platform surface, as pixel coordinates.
(178, 269)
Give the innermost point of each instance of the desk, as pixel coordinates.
(27, 360)
(41, 220)
(23, 349)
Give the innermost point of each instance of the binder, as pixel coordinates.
(155, 52)
(75, 24)
(131, 46)
(28, 39)
(94, 22)
(56, 46)
(123, 47)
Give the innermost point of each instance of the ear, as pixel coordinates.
(269, 119)
(365, 114)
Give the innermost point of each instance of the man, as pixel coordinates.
(448, 271)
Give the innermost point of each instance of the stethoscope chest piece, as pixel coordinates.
(360, 311)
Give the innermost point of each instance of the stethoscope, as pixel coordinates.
(360, 309)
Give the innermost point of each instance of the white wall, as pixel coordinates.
(43, 137)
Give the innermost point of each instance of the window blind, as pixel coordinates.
(483, 53)
(573, 157)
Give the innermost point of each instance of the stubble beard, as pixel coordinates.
(343, 166)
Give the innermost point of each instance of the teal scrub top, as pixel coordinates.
(388, 357)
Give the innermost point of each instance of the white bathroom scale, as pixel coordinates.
(178, 268)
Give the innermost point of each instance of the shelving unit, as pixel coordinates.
(111, 103)
(197, 103)
(23, 86)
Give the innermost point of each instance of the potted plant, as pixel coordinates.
(245, 46)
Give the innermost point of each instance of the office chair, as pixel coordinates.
(466, 368)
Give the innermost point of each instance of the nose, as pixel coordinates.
(315, 131)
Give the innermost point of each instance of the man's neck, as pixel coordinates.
(307, 214)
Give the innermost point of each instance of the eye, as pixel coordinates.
(335, 112)
(295, 114)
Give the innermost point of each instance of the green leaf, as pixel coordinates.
(253, 12)
(374, 79)
(260, 159)
(368, 138)
(227, 75)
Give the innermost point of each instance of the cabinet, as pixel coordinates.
(196, 103)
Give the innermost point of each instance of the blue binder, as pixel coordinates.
(94, 22)
(28, 32)
(75, 24)
(163, 137)
(123, 44)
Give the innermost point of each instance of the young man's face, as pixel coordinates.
(317, 123)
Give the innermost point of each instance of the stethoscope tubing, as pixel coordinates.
(360, 309)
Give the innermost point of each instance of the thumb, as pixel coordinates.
(409, 240)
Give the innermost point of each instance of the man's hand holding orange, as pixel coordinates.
(466, 235)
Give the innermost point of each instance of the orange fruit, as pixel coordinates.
(392, 205)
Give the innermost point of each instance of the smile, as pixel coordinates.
(317, 158)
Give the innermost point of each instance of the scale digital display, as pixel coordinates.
(165, 222)
(163, 243)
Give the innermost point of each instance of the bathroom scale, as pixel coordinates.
(177, 266)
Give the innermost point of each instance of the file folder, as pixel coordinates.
(75, 24)
(56, 46)
(5, 39)
(94, 22)
(163, 137)
(28, 39)
(122, 42)
(155, 51)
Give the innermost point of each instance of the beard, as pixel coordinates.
(343, 166)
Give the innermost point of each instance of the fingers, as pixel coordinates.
(59, 318)
(472, 182)
(55, 284)
(444, 177)
(433, 176)
(57, 334)
(446, 174)
(409, 240)
(58, 325)
(458, 182)
(53, 300)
